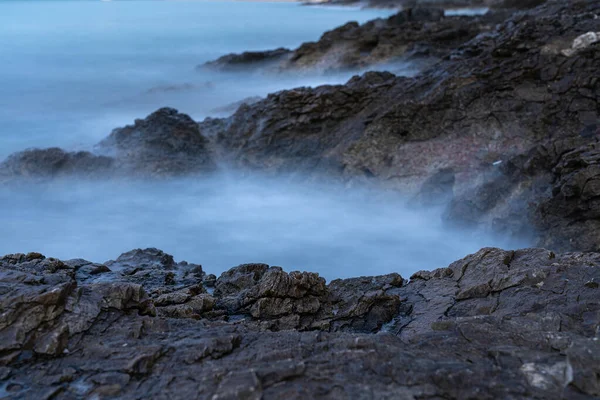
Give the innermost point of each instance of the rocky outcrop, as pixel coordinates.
(420, 35)
(53, 163)
(445, 4)
(248, 59)
(499, 114)
(496, 324)
(303, 301)
(166, 143)
(485, 128)
(572, 212)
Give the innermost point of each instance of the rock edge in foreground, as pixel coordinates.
(496, 324)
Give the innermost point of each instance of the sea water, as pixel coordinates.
(72, 70)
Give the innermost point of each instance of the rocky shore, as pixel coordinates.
(421, 36)
(496, 324)
(503, 130)
(501, 127)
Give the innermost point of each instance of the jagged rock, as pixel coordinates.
(165, 143)
(414, 33)
(570, 217)
(363, 304)
(268, 293)
(496, 324)
(499, 112)
(157, 271)
(42, 305)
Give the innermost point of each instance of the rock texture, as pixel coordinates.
(496, 324)
(500, 113)
(166, 143)
(419, 35)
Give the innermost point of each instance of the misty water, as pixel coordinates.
(73, 70)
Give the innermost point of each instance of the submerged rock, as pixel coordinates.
(496, 324)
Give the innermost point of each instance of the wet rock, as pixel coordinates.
(42, 305)
(364, 304)
(278, 300)
(268, 293)
(156, 270)
(582, 42)
(569, 217)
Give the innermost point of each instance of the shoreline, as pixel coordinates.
(257, 331)
(500, 131)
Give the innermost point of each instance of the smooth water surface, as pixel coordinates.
(225, 221)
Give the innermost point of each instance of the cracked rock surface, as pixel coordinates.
(496, 324)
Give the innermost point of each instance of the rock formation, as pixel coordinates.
(247, 59)
(500, 113)
(496, 324)
(419, 35)
(166, 143)
(504, 128)
(508, 121)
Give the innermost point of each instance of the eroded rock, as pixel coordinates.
(497, 324)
